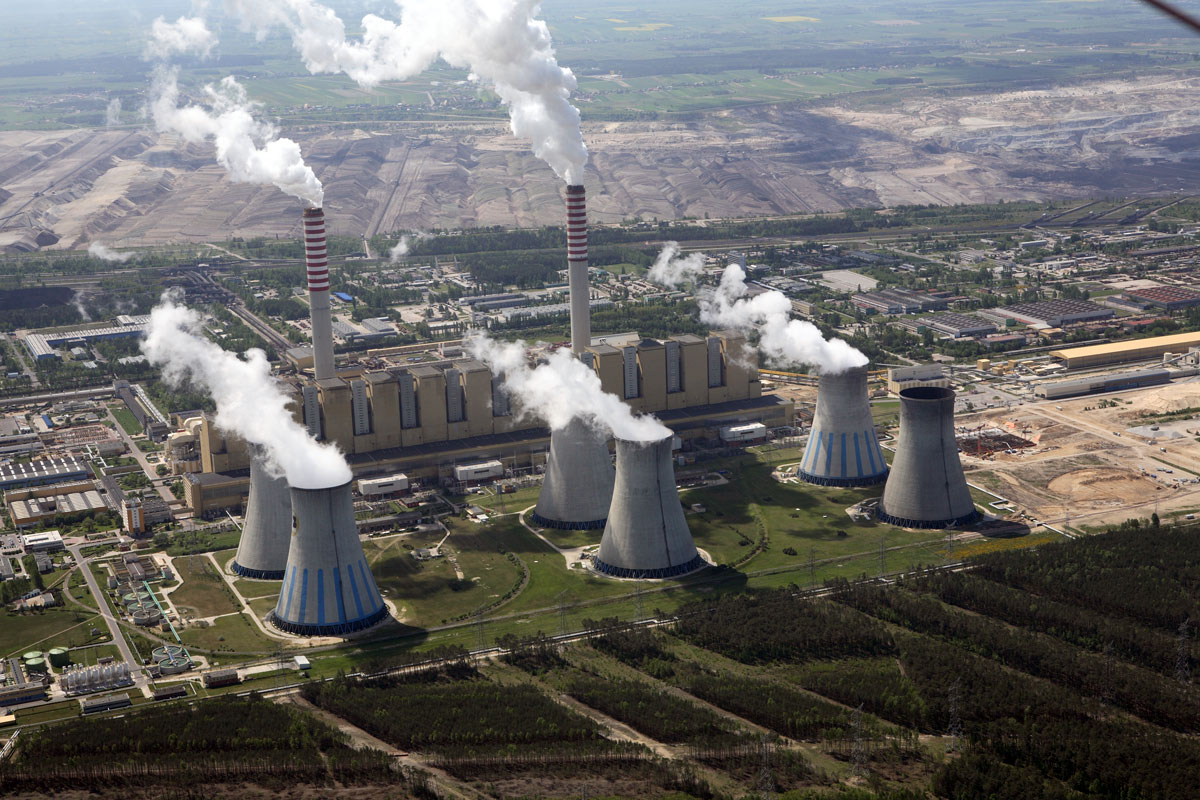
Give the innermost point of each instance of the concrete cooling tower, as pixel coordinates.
(267, 532)
(646, 535)
(578, 486)
(927, 488)
(842, 447)
(327, 589)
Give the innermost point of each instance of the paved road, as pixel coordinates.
(114, 628)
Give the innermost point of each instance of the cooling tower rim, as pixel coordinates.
(645, 443)
(561, 525)
(324, 488)
(928, 524)
(927, 394)
(328, 629)
(842, 373)
(257, 574)
(845, 483)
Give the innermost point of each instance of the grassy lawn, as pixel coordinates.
(507, 503)
(89, 656)
(886, 413)
(126, 419)
(203, 589)
(55, 627)
(188, 542)
(263, 605)
(250, 589)
(567, 539)
(233, 634)
(430, 592)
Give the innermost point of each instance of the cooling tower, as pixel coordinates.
(578, 485)
(327, 588)
(318, 292)
(267, 532)
(927, 488)
(577, 269)
(646, 535)
(842, 448)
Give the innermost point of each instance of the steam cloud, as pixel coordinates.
(501, 42)
(112, 115)
(250, 403)
(401, 248)
(783, 340)
(561, 389)
(672, 270)
(184, 35)
(104, 253)
(249, 150)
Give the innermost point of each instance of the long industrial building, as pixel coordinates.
(424, 419)
(1099, 355)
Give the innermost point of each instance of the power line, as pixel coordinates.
(1185, 18)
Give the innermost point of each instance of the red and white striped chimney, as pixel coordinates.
(317, 260)
(577, 268)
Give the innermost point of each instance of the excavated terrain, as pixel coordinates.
(128, 187)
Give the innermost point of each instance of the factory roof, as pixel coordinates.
(382, 376)
(1181, 340)
(50, 470)
(687, 338)
(424, 371)
(471, 365)
(1166, 295)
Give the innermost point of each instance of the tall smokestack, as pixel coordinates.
(328, 589)
(577, 269)
(842, 448)
(267, 532)
(646, 535)
(317, 260)
(927, 488)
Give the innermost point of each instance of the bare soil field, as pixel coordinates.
(130, 186)
(1097, 466)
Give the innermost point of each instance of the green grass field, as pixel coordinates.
(232, 634)
(55, 627)
(126, 419)
(203, 590)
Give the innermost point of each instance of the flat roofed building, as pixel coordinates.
(959, 325)
(35, 510)
(1172, 298)
(43, 542)
(1099, 355)
(1050, 313)
(39, 473)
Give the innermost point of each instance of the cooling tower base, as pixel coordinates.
(593, 525)
(257, 574)
(825, 480)
(899, 522)
(335, 629)
(650, 574)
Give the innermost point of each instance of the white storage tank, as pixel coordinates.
(751, 432)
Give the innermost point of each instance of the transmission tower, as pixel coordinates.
(858, 752)
(953, 701)
(1183, 661)
(562, 611)
(766, 780)
(812, 567)
(637, 601)
(479, 638)
(882, 555)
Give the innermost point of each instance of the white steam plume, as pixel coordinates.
(250, 403)
(401, 248)
(783, 340)
(501, 42)
(671, 270)
(560, 389)
(104, 253)
(249, 150)
(112, 115)
(184, 35)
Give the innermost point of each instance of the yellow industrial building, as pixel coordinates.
(427, 418)
(1099, 355)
